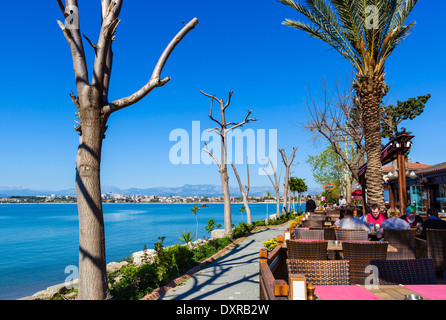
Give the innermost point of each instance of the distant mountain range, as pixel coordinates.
(187, 190)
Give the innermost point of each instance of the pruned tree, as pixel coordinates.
(222, 130)
(287, 161)
(244, 191)
(393, 115)
(336, 118)
(275, 183)
(94, 109)
(298, 185)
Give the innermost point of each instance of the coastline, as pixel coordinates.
(158, 292)
(122, 217)
(150, 203)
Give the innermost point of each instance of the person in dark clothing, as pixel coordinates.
(432, 222)
(310, 206)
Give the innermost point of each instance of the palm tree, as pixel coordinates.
(365, 32)
(298, 185)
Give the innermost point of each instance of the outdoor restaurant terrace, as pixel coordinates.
(315, 260)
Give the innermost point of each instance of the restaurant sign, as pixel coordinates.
(328, 186)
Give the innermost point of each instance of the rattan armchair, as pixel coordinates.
(351, 234)
(313, 223)
(308, 250)
(321, 272)
(359, 254)
(436, 248)
(329, 232)
(317, 217)
(403, 240)
(405, 271)
(301, 233)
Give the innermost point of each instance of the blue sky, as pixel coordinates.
(238, 45)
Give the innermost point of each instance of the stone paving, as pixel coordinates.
(234, 276)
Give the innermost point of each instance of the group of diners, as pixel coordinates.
(376, 221)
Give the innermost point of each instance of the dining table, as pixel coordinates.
(336, 245)
(381, 292)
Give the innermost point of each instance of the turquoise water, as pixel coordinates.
(38, 241)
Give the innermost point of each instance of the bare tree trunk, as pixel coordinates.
(226, 200)
(243, 192)
(287, 162)
(275, 184)
(93, 113)
(222, 131)
(92, 263)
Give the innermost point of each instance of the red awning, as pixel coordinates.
(356, 194)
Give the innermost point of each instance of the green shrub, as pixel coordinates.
(210, 248)
(259, 223)
(241, 230)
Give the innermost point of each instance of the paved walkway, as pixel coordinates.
(235, 275)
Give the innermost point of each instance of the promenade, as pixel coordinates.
(233, 276)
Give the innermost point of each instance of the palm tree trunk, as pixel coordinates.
(370, 92)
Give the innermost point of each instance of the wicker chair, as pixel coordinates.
(436, 248)
(313, 223)
(307, 250)
(329, 232)
(359, 254)
(300, 233)
(321, 272)
(405, 271)
(317, 217)
(351, 234)
(403, 240)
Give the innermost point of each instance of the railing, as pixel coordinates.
(272, 272)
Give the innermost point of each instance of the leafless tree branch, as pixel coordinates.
(241, 123)
(212, 155)
(74, 39)
(155, 80)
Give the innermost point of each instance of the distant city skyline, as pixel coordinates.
(237, 45)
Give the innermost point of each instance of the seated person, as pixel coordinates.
(368, 210)
(349, 221)
(394, 222)
(341, 216)
(432, 222)
(412, 218)
(375, 216)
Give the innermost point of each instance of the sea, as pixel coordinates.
(39, 242)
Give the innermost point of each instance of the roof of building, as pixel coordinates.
(416, 166)
(438, 168)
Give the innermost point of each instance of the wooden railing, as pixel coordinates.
(272, 273)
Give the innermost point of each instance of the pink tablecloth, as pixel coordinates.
(431, 292)
(352, 292)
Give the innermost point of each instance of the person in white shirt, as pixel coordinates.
(350, 222)
(342, 201)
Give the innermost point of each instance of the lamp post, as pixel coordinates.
(399, 145)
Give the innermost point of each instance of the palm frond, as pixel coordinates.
(343, 24)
